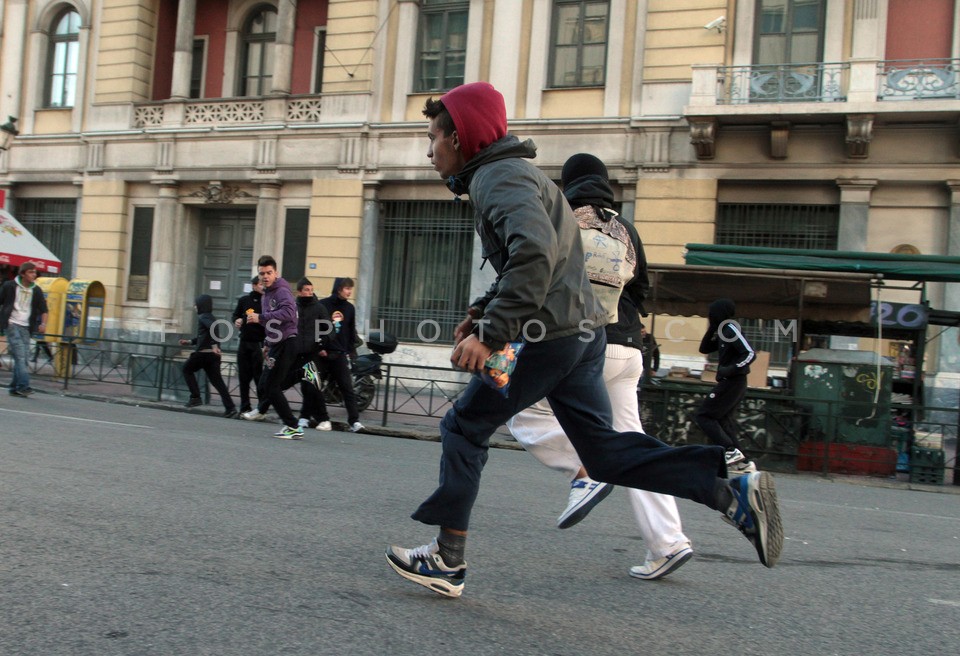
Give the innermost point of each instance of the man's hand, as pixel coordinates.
(470, 354)
(239, 322)
(183, 342)
(253, 317)
(465, 327)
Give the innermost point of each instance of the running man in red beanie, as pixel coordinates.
(542, 296)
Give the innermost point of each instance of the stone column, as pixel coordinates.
(163, 263)
(183, 51)
(265, 237)
(11, 57)
(950, 339)
(283, 47)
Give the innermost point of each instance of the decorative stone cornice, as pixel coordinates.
(779, 138)
(216, 192)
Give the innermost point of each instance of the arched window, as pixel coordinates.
(256, 63)
(63, 58)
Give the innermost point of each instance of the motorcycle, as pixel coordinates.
(364, 370)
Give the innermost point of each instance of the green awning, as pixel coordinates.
(890, 266)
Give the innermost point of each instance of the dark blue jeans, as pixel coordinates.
(569, 373)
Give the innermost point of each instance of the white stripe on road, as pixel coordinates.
(95, 421)
(794, 502)
(944, 602)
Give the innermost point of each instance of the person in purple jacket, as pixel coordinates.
(279, 319)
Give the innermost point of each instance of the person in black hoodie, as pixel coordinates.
(312, 329)
(716, 415)
(206, 357)
(250, 348)
(341, 346)
(617, 268)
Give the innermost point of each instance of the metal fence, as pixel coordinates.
(783, 432)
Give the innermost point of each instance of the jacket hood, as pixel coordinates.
(478, 113)
(204, 303)
(721, 310)
(589, 190)
(306, 300)
(504, 148)
(278, 284)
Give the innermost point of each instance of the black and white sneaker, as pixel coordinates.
(756, 513)
(585, 493)
(424, 565)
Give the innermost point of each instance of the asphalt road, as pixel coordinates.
(128, 530)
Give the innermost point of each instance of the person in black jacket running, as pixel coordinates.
(206, 357)
(250, 348)
(313, 326)
(341, 346)
(716, 415)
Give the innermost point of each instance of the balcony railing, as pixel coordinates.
(240, 112)
(919, 79)
(860, 81)
(782, 83)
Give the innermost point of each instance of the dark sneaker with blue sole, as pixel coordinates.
(424, 565)
(757, 515)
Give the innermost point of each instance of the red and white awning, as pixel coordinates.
(17, 246)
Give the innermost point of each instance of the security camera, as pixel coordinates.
(716, 24)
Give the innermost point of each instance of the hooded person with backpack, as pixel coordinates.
(617, 268)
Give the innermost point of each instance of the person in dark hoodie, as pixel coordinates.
(716, 416)
(529, 235)
(206, 357)
(313, 327)
(250, 348)
(279, 320)
(617, 268)
(341, 346)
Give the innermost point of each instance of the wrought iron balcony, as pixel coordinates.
(919, 79)
(782, 83)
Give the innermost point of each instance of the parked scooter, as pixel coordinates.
(364, 370)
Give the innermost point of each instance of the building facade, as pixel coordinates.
(164, 145)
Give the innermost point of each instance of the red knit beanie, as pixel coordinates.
(478, 113)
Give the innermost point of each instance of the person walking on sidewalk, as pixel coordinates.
(23, 312)
(530, 236)
(716, 415)
(341, 346)
(279, 320)
(250, 347)
(616, 265)
(206, 357)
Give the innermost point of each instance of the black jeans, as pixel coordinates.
(716, 416)
(568, 371)
(338, 364)
(210, 363)
(313, 406)
(249, 369)
(280, 358)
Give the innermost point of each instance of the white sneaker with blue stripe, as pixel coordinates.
(424, 565)
(585, 493)
(756, 514)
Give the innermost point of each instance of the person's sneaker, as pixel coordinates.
(356, 427)
(290, 433)
(756, 514)
(193, 402)
(311, 375)
(733, 456)
(424, 565)
(660, 567)
(229, 413)
(585, 493)
(303, 422)
(324, 426)
(19, 393)
(742, 467)
(28, 391)
(254, 415)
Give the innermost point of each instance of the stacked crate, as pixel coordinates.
(926, 465)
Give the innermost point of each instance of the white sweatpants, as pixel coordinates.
(538, 430)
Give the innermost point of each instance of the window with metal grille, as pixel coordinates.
(442, 46)
(424, 268)
(579, 43)
(776, 226)
(53, 221)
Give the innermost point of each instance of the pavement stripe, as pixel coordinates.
(71, 418)
(944, 602)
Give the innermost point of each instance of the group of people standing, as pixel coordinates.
(285, 339)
